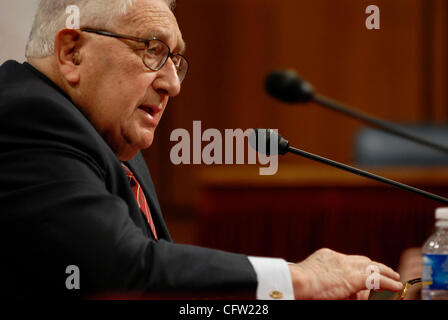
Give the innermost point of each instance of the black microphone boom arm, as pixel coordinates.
(378, 123)
(266, 135)
(287, 86)
(367, 174)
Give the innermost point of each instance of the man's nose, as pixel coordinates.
(167, 81)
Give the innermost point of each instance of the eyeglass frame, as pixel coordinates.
(401, 295)
(146, 41)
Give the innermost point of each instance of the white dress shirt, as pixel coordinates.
(274, 279)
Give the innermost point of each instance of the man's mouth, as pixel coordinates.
(148, 110)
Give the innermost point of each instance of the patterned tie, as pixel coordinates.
(141, 199)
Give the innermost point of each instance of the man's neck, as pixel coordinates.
(46, 67)
(43, 67)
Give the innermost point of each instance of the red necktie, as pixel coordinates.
(140, 197)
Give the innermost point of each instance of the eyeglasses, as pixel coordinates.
(410, 291)
(156, 54)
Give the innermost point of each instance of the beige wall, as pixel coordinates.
(16, 18)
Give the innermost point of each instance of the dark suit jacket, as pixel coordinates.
(65, 200)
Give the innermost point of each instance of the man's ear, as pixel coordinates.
(68, 57)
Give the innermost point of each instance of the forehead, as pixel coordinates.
(153, 18)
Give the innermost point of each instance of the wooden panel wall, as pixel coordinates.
(398, 73)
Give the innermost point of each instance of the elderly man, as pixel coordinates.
(75, 191)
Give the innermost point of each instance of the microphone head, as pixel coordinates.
(260, 140)
(287, 86)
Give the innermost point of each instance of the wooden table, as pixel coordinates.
(304, 208)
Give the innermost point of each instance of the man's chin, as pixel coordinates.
(131, 150)
(146, 141)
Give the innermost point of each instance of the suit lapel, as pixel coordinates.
(141, 172)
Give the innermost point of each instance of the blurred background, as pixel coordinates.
(399, 73)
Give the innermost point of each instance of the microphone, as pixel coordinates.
(260, 140)
(287, 86)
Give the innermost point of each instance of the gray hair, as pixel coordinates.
(51, 17)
